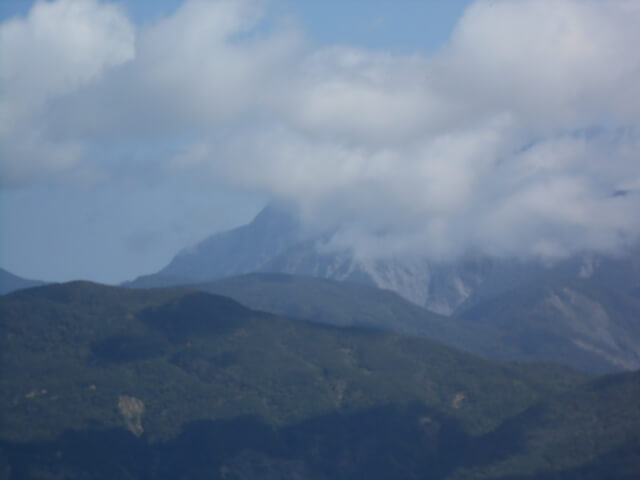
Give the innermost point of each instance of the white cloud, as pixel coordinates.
(58, 48)
(556, 63)
(203, 70)
(364, 96)
(486, 145)
(61, 46)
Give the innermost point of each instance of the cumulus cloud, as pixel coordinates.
(513, 139)
(204, 68)
(58, 48)
(554, 63)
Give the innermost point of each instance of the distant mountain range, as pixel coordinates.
(10, 282)
(581, 325)
(103, 382)
(241, 250)
(274, 242)
(581, 312)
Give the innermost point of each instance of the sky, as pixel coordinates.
(131, 130)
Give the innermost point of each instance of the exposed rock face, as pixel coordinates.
(594, 329)
(132, 410)
(442, 288)
(457, 400)
(275, 242)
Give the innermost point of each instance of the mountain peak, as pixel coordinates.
(241, 250)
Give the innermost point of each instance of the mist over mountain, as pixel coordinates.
(581, 311)
(586, 326)
(274, 242)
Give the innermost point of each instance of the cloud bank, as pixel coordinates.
(519, 137)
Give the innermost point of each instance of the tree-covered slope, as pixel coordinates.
(600, 420)
(103, 382)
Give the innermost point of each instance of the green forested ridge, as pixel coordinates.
(103, 382)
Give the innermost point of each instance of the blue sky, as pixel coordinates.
(130, 130)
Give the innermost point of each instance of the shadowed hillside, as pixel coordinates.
(101, 382)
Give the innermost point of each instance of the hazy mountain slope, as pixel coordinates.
(451, 287)
(617, 273)
(577, 322)
(103, 382)
(10, 282)
(274, 243)
(241, 250)
(346, 304)
(621, 273)
(598, 333)
(532, 324)
(441, 288)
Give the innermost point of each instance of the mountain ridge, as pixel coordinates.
(103, 382)
(586, 326)
(276, 242)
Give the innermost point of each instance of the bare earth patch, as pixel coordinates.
(132, 410)
(457, 400)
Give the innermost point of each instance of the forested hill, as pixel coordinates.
(104, 382)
